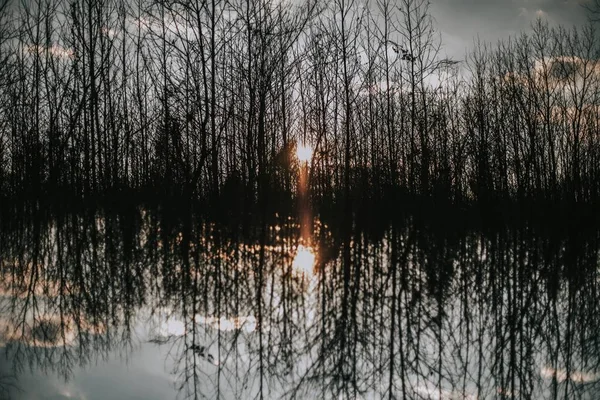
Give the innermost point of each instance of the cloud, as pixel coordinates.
(54, 50)
(493, 20)
(524, 12)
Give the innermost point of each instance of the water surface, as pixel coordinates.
(144, 304)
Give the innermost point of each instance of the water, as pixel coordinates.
(143, 303)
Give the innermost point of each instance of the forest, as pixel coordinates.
(265, 199)
(207, 100)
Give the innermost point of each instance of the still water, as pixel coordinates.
(138, 304)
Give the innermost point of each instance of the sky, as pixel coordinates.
(460, 22)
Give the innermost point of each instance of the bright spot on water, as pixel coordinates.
(304, 152)
(304, 260)
(173, 327)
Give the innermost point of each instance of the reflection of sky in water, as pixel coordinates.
(456, 309)
(140, 372)
(142, 376)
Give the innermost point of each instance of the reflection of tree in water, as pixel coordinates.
(419, 312)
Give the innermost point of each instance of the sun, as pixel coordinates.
(304, 153)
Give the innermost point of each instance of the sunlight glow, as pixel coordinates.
(304, 153)
(304, 261)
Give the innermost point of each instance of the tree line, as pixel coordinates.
(204, 98)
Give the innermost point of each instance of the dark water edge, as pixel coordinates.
(386, 205)
(412, 299)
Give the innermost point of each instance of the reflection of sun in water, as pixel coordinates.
(304, 260)
(304, 152)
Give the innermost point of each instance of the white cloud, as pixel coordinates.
(523, 12)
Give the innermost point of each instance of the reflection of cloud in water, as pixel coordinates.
(432, 392)
(47, 331)
(69, 392)
(574, 376)
(25, 284)
(176, 327)
(173, 327)
(44, 332)
(224, 324)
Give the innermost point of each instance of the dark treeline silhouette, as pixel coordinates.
(424, 310)
(207, 99)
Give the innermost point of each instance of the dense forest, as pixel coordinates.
(207, 99)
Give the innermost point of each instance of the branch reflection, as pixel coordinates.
(408, 310)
